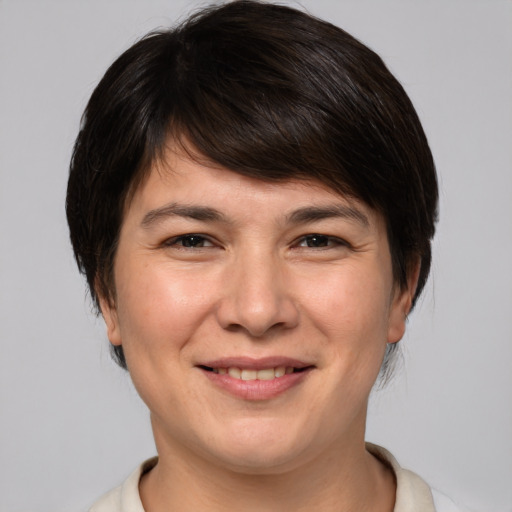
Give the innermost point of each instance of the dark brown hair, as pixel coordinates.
(263, 90)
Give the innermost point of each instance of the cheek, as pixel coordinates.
(350, 302)
(160, 308)
(351, 312)
(160, 312)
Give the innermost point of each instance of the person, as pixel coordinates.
(252, 200)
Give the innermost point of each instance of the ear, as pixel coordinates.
(109, 313)
(401, 305)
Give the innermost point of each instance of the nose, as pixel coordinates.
(257, 297)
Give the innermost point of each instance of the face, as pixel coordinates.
(254, 316)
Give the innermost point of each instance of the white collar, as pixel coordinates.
(412, 493)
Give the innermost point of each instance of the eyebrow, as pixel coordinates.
(201, 213)
(208, 214)
(314, 213)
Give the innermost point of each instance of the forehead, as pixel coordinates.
(189, 181)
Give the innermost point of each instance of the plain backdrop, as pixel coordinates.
(71, 424)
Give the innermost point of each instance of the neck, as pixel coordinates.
(346, 478)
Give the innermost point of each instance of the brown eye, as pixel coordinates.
(316, 241)
(190, 241)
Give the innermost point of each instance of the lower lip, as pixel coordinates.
(257, 389)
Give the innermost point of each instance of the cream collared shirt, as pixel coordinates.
(412, 493)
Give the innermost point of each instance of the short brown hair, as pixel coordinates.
(266, 91)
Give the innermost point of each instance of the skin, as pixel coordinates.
(255, 283)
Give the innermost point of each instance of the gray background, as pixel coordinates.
(72, 426)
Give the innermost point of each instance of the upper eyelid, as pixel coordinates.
(338, 242)
(212, 240)
(173, 239)
(329, 237)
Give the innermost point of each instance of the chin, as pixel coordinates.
(260, 449)
(258, 461)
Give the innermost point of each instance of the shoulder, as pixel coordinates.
(445, 504)
(413, 494)
(126, 497)
(109, 502)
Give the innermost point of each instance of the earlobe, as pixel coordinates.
(109, 313)
(401, 306)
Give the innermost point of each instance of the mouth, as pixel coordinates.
(256, 379)
(253, 374)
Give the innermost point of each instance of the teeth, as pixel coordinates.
(265, 374)
(280, 371)
(235, 373)
(249, 374)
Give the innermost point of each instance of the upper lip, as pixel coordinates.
(249, 363)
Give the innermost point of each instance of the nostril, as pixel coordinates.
(256, 314)
(234, 328)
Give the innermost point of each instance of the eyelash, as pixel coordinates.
(325, 241)
(177, 241)
(332, 240)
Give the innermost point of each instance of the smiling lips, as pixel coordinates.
(256, 379)
(244, 374)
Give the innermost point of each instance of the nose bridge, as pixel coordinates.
(257, 296)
